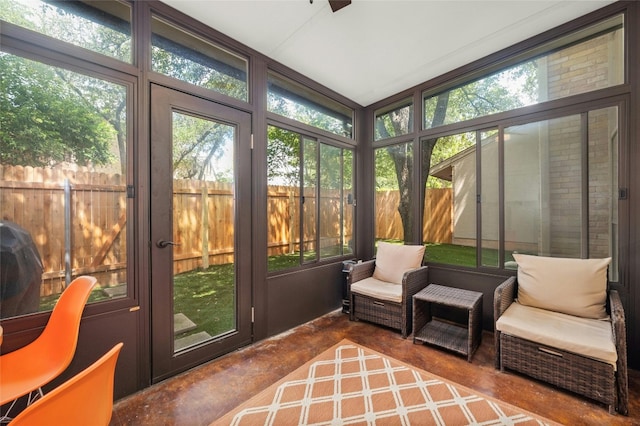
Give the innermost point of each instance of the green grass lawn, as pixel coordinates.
(207, 297)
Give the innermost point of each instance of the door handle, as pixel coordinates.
(165, 243)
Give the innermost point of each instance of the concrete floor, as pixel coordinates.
(205, 393)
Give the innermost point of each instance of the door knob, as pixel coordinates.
(165, 243)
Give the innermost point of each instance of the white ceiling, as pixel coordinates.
(372, 49)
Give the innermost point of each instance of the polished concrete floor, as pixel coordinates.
(205, 393)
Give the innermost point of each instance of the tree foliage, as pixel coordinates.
(50, 115)
(43, 121)
(202, 149)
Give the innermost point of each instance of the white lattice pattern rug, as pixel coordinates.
(352, 385)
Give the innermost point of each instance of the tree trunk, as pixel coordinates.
(403, 161)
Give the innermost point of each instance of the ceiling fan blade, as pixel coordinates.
(336, 5)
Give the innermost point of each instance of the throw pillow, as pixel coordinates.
(570, 286)
(393, 260)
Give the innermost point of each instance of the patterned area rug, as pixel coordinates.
(350, 384)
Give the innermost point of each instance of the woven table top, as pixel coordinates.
(449, 296)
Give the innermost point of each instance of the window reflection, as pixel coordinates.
(181, 55)
(292, 100)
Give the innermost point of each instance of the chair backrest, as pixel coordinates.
(85, 399)
(34, 365)
(60, 336)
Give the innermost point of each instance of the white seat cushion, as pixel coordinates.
(590, 338)
(378, 289)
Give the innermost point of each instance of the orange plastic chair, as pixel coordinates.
(29, 368)
(85, 399)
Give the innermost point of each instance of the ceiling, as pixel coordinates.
(372, 49)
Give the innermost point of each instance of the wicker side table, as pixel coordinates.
(460, 338)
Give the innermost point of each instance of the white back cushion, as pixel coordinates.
(570, 286)
(393, 260)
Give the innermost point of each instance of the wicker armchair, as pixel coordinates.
(387, 303)
(577, 370)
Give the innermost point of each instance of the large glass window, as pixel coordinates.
(489, 199)
(101, 26)
(449, 224)
(560, 187)
(184, 56)
(292, 100)
(62, 183)
(309, 199)
(336, 214)
(589, 60)
(394, 195)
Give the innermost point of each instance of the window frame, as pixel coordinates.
(313, 97)
(12, 44)
(621, 101)
(319, 140)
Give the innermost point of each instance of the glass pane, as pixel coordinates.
(181, 55)
(331, 208)
(348, 202)
(603, 186)
(283, 199)
(204, 283)
(450, 201)
(309, 200)
(292, 100)
(101, 26)
(489, 199)
(595, 62)
(398, 121)
(394, 195)
(62, 181)
(543, 188)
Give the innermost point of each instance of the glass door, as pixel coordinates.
(200, 242)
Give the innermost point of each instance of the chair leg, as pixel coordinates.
(32, 397)
(6, 417)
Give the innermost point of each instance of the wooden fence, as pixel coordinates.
(437, 226)
(78, 221)
(76, 218)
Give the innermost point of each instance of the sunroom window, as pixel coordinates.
(100, 26)
(560, 186)
(395, 120)
(63, 183)
(394, 196)
(297, 102)
(179, 54)
(310, 199)
(582, 62)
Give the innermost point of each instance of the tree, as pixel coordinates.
(509, 89)
(198, 144)
(42, 122)
(73, 117)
